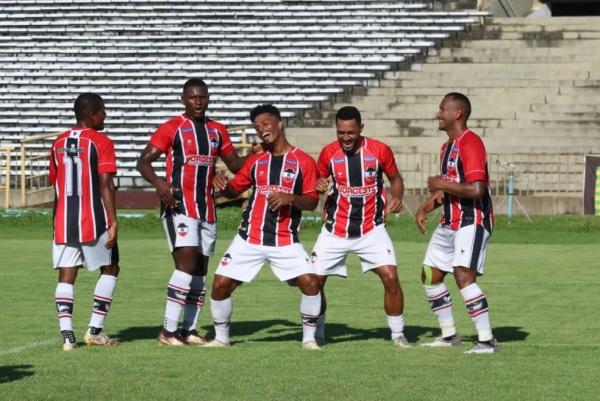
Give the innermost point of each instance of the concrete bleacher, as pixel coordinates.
(137, 54)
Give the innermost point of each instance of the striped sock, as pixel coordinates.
(194, 303)
(477, 307)
(310, 306)
(63, 297)
(103, 295)
(441, 306)
(177, 292)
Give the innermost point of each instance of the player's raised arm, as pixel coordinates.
(164, 190)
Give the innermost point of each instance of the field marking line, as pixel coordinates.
(26, 347)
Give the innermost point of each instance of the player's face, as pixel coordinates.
(268, 127)
(348, 134)
(195, 99)
(447, 114)
(97, 119)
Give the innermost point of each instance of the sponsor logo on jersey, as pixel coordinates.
(187, 130)
(200, 160)
(262, 162)
(369, 158)
(71, 150)
(182, 229)
(269, 189)
(357, 192)
(338, 160)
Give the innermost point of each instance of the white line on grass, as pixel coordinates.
(26, 347)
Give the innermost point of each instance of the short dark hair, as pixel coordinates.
(463, 101)
(87, 103)
(348, 113)
(194, 82)
(264, 108)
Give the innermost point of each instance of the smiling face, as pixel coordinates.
(195, 99)
(268, 127)
(348, 134)
(97, 118)
(448, 113)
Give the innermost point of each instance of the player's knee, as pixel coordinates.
(111, 270)
(309, 284)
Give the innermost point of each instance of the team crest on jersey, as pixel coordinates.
(226, 259)
(289, 171)
(370, 175)
(213, 137)
(182, 229)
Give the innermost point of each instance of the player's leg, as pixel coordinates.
(196, 296)
(240, 263)
(437, 263)
(393, 301)
(469, 262)
(183, 239)
(320, 332)
(310, 308)
(67, 260)
(97, 256)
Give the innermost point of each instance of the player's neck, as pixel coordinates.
(198, 120)
(456, 131)
(280, 147)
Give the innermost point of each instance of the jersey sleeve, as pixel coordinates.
(473, 158)
(52, 167)
(162, 139)
(309, 177)
(243, 179)
(107, 160)
(387, 160)
(323, 163)
(226, 145)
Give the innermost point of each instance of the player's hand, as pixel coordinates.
(395, 206)
(420, 220)
(165, 193)
(112, 235)
(434, 183)
(323, 185)
(220, 182)
(279, 199)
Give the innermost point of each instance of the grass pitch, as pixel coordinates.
(541, 283)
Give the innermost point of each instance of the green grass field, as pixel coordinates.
(541, 282)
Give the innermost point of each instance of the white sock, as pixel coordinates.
(320, 332)
(177, 292)
(441, 306)
(64, 298)
(194, 303)
(310, 306)
(221, 314)
(103, 295)
(396, 324)
(477, 307)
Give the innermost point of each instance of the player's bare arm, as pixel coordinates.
(323, 184)
(473, 190)
(397, 192)
(303, 202)
(107, 192)
(434, 201)
(144, 166)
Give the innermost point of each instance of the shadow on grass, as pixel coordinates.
(138, 333)
(13, 373)
(505, 334)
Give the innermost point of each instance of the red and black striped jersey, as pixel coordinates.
(77, 159)
(356, 203)
(294, 172)
(465, 160)
(192, 150)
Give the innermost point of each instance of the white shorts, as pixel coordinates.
(374, 250)
(185, 231)
(92, 255)
(242, 261)
(465, 247)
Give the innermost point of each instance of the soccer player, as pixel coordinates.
(192, 143)
(283, 182)
(355, 212)
(458, 245)
(82, 166)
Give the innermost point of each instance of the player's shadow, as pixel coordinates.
(13, 373)
(505, 334)
(138, 333)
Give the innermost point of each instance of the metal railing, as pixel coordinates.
(5, 176)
